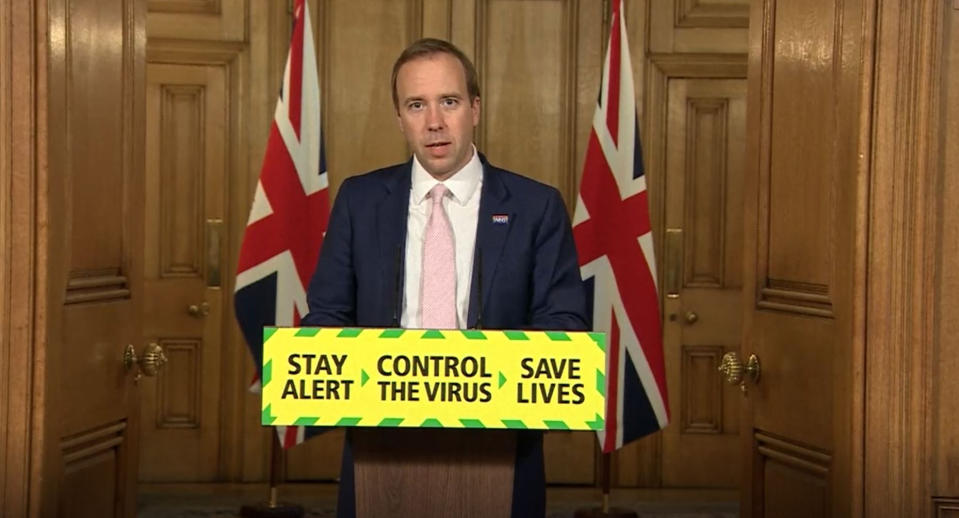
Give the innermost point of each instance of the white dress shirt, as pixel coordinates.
(462, 209)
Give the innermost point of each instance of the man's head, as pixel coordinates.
(436, 96)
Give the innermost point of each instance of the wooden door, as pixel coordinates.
(91, 247)
(703, 278)
(803, 296)
(188, 122)
(200, 151)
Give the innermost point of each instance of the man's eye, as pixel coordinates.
(415, 105)
(450, 102)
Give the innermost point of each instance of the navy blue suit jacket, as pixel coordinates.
(530, 279)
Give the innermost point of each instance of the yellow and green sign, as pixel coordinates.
(430, 378)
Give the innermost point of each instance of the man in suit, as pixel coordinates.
(447, 240)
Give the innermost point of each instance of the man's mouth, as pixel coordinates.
(438, 149)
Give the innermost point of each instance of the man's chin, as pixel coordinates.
(436, 167)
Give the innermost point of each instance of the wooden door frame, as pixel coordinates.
(22, 266)
(904, 212)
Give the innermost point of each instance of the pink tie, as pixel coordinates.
(439, 267)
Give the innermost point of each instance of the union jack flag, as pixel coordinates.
(290, 209)
(615, 245)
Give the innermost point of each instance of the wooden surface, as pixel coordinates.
(433, 472)
(944, 361)
(803, 283)
(702, 260)
(189, 130)
(911, 425)
(19, 338)
(90, 197)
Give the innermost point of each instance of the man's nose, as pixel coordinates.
(434, 118)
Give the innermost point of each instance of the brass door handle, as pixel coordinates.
(198, 311)
(691, 317)
(148, 364)
(733, 369)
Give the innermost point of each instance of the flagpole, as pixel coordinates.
(276, 469)
(605, 468)
(273, 508)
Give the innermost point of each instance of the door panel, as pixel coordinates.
(803, 204)
(94, 256)
(188, 120)
(703, 263)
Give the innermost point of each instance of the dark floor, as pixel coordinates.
(319, 500)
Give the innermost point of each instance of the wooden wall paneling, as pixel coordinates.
(944, 446)
(222, 20)
(18, 241)
(911, 436)
(465, 29)
(6, 251)
(437, 18)
(692, 26)
(523, 126)
(359, 43)
(711, 13)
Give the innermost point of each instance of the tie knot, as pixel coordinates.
(437, 193)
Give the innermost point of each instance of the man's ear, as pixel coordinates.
(475, 108)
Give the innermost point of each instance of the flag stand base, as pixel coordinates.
(265, 510)
(273, 508)
(605, 511)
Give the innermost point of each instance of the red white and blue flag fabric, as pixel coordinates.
(290, 210)
(614, 240)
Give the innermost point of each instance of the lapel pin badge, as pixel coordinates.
(500, 219)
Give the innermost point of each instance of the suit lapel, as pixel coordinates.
(391, 215)
(495, 219)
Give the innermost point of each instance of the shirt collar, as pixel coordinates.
(462, 185)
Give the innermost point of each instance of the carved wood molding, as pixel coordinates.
(189, 52)
(903, 224)
(945, 507)
(185, 6)
(251, 105)
(694, 13)
(662, 68)
(21, 283)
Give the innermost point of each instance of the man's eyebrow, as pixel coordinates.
(453, 95)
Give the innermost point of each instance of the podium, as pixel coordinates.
(433, 415)
(433, 472)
